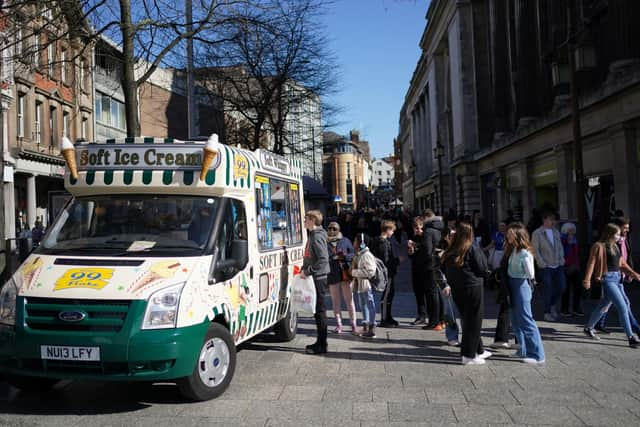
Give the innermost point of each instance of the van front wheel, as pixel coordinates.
(286, 328)
(214, 368)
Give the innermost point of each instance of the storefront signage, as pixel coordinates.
(274, 162)
(140, 156)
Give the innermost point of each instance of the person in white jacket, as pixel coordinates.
(363, 267)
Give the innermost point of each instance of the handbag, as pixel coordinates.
(303, 295)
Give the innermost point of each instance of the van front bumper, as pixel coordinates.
(130, 354)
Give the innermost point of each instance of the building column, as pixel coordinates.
(527, 192)
(501, 194)
(31, 201)
(566, 182)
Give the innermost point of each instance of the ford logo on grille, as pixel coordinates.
(71, 316)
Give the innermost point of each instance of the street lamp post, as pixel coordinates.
(438, 153)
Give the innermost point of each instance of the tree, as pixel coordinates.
(273, 59)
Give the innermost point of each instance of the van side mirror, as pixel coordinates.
(240, 252)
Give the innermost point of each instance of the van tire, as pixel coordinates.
(286, 328)
(31, 384)
(214, 368)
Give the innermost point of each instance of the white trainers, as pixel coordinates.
(485, 355)
(532, 361)
(453, 343)
(500, 344)
(472, 361)
(516, 355)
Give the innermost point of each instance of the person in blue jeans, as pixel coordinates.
(606, 264)
(520, 271)
(363, 267)
(549, 254)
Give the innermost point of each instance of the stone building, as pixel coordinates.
(52, 96)
(346, 170)
(489, 102)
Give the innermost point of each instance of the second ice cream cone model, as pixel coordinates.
(210, 151)
(30, 271)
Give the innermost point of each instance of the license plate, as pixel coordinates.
(59, 352)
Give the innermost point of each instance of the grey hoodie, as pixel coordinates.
(316, 255)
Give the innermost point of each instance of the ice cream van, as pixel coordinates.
(169, 255)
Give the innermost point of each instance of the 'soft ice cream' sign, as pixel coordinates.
(139, 156)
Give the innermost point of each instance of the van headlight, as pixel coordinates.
(162, 308)
(8, 296)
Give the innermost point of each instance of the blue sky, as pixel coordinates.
(376, 45)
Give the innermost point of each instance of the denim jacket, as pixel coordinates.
(521, 265)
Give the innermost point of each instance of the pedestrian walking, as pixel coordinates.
(549, 254)
(362, 269)
(382, 248)
(341, 254)
(606, 265)
(315, 263)
(572, 295)
(465, 269)
(521, 273)
(450, 312)
(496, 247)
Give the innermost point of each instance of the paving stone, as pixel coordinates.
(595, 416)
(295, 393)
(370, 411)
(491, 396)
(245, 392)
(446, 396)
(404, 394)
(413, 411)
(480, 414)
(543, 415)
(567, 398)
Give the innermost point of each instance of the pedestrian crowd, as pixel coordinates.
(453, 260)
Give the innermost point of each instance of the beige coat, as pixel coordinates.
(544, 252)
(363, 268)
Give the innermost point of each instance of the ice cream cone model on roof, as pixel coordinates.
(69, 154)
(210, 152)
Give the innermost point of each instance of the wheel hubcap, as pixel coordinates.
(213, 363)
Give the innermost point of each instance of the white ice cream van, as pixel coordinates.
(169, 254)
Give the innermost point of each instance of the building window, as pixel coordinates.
(83, 130)
(51, 59)
(19, 40)
(110, 111)
(20, 115)
(63, 66)
(37, 59)
(388, 173)
(83, 64)
(53, 117)
(37, 123)
(349, 191)
(65, 124)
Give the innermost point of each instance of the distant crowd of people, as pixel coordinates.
(453, 260)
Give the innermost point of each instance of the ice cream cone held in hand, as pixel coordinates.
(69, 154)
(210, 151)
(158, 271)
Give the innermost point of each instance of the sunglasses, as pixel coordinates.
(333, 228)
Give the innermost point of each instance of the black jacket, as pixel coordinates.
(431, 236)
(473, 271)
(381, 248)
(316, 256)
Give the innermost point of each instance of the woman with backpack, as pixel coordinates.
(340, 256)
(363, 268)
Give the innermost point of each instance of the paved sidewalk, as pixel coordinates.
(404, 377)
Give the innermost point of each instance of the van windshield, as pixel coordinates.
(132, 225)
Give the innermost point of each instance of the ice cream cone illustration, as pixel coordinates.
(30, 271)
(69, 154)
(158, 271)
(210, 151)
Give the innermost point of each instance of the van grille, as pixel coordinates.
(102, 316)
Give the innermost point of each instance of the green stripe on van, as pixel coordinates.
(215, 312)
(167, 177)
(129, 140)
(228, 166)
(108, 177)
(210, 179)
(148, 140)
(147, 177)
(187, 177)
(168, 140)
(249, 330)
(128, 177)
(90, 177)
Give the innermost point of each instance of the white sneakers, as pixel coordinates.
(500, 344)
(473, 361)
(478, 360)
(532, 361)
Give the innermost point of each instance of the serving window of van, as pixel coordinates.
(278, 213)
